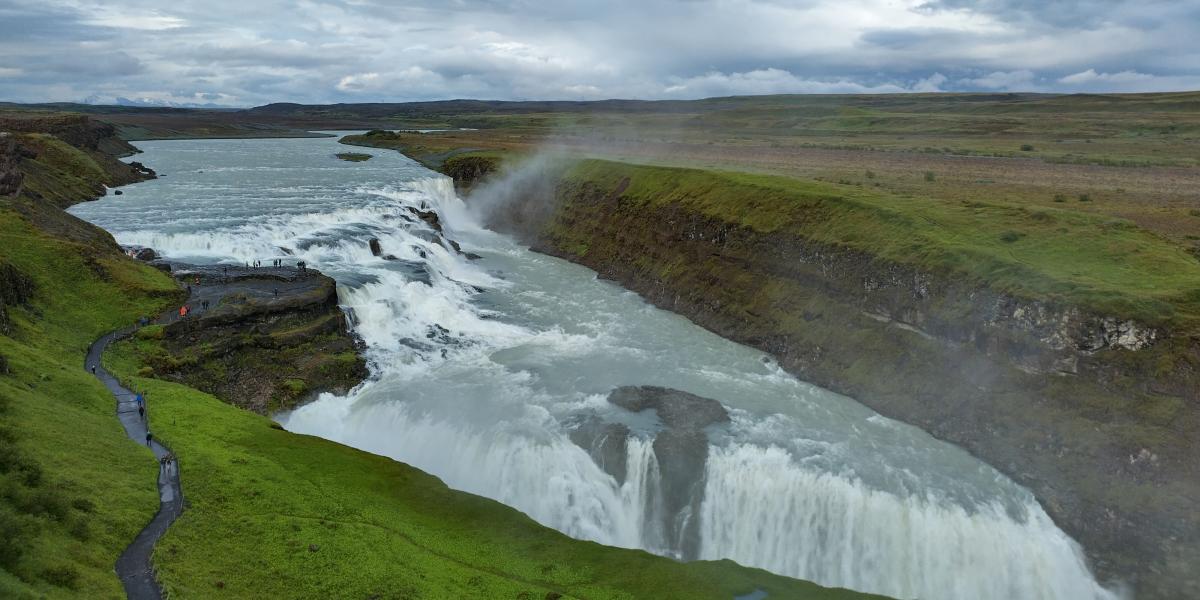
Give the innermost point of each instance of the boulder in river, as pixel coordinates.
(146, 254)
(431, 218)
(680, 449)
(605, 443)
(676, 409)
(376, 248)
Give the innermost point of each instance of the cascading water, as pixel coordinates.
(481, 370)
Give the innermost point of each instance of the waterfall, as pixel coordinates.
(480, 368)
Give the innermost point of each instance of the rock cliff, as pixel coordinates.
(269, 339)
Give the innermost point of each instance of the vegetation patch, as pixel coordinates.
(73, 489)
(1103, 265)
(353, 156)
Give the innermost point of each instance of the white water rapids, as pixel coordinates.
(481, 367)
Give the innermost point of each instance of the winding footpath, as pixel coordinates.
(133, 566)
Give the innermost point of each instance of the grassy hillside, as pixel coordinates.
(1109, 266)
(73, 489)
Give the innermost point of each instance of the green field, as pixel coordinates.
(1104, 265)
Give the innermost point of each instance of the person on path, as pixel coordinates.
(276, 292)
(141, 400)
(141, 412)
(93, 369)
(149, 438)
(183, 311)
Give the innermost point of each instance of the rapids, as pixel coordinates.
(480, 368)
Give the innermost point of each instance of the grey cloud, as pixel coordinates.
(245, 53)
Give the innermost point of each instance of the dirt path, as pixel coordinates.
(133, 566)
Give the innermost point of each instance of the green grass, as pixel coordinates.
(275, 514)
(1101, 264)
(96, 487)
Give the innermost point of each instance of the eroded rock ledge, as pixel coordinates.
(269, 340)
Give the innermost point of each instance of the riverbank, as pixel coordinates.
(1035, 339)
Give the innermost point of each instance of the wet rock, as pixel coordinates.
(471, 256)
(117, 192)
(676, 409)
(376, 248)
(431, 218)
(146, 254)
(605, 443)
(143, 169)
(682, 451)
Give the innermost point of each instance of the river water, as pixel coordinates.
(481, 367)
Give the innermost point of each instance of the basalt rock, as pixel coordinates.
(431, 218)
(267, 342)
(606, 443)
(680, 449)
(376, 248)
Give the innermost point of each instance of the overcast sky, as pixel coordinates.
(250, 52)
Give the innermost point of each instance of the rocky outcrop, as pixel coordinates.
(680, 449)
(66, 159)
(16, 289)
(11, 176)
(269, 340)
(1066, 402)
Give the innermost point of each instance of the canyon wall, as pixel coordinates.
(1096, 413)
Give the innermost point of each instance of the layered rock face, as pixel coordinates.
(270, 339)
(1099, 416)
(680, 451)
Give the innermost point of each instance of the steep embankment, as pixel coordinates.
(1059, 347)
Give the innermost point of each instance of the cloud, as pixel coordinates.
(1091, 76)
(1022, 79)
(320, 51)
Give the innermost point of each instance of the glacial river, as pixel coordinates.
(481, 367)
